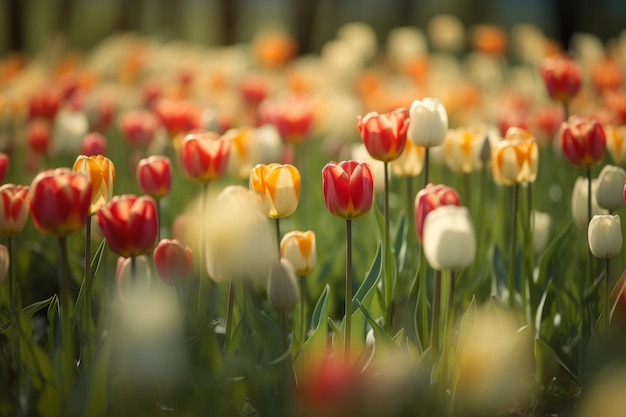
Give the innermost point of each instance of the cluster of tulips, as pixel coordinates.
(249, 317)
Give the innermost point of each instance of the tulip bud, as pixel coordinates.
(579, 202)
(4, 263)
(125, 282)
(4, 166)
(277, 187)
(430, 198)
(13, 209)
(299, 249)
(562, 77)
(463, 149)
(515, 159)
(449, 239)
(102, 173)
(541, 230)
(583, 141)
(94, 144)
(204, 155)
(605, 236)
(428, 122)
(610, 187)
(384, 135)
(348, 188)
(172, 260)
(154, 175)
(282, 286)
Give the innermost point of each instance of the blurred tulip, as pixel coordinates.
(360, 154)
(172, 260)
(449, 240)
(430, 198)
(94, 144)
(579, 202)
(277, 187)
(292, 116)
(605, 236)
(463, 148)
(177, 116)
(610, 187)
(250, 147)
(44, 104)
(428, 122)
(606, 75)
(254, 89)
(541, 230)
(411, 161)
(139, 127)
(14, 209)
(348, 188)
(282, 287)
(126, 284)
(605, 396)
(39, 135)
(561, 76)
(102, 173)
(384, 135)
(59, 201)
(583, 141)
(70, 128)
(515, 159)
(616, 143)
(4, 263)
(204, 155)
(299, 249)
(129, 224)
(4, 166)
(154, 175)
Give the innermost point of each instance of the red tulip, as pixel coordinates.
(583, 141)
(13, 209)
(154, 175)
(39, 135)
(44, 104)
(177, 115)
(129, 224)
(139, 127)
(59, 201)
(562, 77)
(172, 260)
(384, 135)
(348, 188)
(293, 117)
(430, 198)
(204, 155)
(94, 144)
(4, 166)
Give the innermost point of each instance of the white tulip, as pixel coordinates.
(579, 202)
(605, 236)
(449, 238)
(428, 122)
(610, 192)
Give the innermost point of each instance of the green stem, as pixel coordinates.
(513, 243)
(448, 321)
(303, 317)
(426, 165)
(434, 348)
(88, 283)
(348, 303)
(67, 342)
(202, 287)
(467, 190)
(282, 320)
(423, 309)
(160, 220)
(388, 281)
(607, 299)
(229, 316)
(14, 303)
(277, 227)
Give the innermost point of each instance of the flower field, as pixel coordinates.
(408, 230)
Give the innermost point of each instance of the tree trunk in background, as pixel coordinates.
(567, 22)
(129, 14)
(15, 25)
(169, 16)
(64, 16)
(405, 13)
(304, 19)
(229, 21)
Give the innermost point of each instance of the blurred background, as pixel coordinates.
(27, 24)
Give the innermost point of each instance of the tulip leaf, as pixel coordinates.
(321, 308)
(338, 338)
(315, 346)
(29, 311)
(548, 363)
(98, 393)
(400, 244)
(398, 337)
(548, 253)
(617, 292)
(499, 273)
(364, 294)
(384, 342)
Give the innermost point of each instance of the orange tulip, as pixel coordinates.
(102, 173)
(299, 249)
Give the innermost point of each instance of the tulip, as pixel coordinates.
(94, 144)
(299, 249)
(605, 236)
(177, 115)
(384, 135)
(449, 239)
(154, 175)
(13, 209)
(583, 141)
(172, 260)
(44, 104)
(428, 122)
(128, 281)
(204, 155)
(277, 187)
(610, 187)
(4, 166)
(616, 143)
(4, 263)
(282, 288)
(348, 188)
(39, 135)
(463, 148)
(515, 159)
(541, 230)
(411, 161)
(250, 147)
(562, 77)
(129, 224)
(430, 198)
(580, 196)
(102, 173)
(293, 117)
(139, 127)
(70, 128)
(60, 201)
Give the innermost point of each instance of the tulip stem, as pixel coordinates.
(277, 225)
(67, 345)
(14, 302)
(512, 243)
(448, 320)
(426, 166)
(423, 310)
(348, 303)
(589, 195)
(229, 316)
(87, 295)
(282, 320)
(587, 320)
(607, 299)
(434, 348)
(303, 318)
(160, 221)
(388, 281)
(133, 269)
(201, 284)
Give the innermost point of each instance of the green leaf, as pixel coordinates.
(98, 392)
(97, 258)
(384, 342)
(499, 273)
(371, 279)
(29, 311)
(321, 308)
(338, 338)
(397, 339)
(546, 257)
(400, 243)
(548, 363)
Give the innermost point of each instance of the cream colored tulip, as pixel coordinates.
(605, 236)
(449, 240)
(428, 122)
(299, 249)
(411, 161)
(541, 230)
(579, 202)
(282, 287)
(610, 192)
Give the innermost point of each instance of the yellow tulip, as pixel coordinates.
(278, 188)
(515, 159)
(102, 173)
